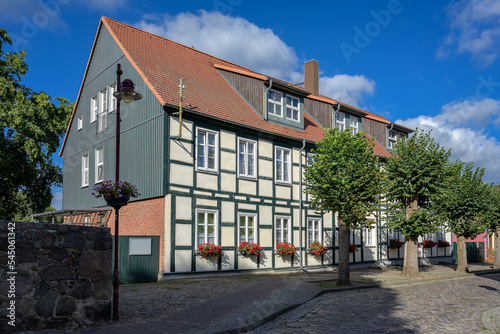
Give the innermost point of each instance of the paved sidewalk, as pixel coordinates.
(252, 306)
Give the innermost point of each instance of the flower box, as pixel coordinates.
(209, 251)
(395, 244)
(443, 243)
(115, 194)
(428, 244)
(249, 248)
(317, 249)
(285, 248)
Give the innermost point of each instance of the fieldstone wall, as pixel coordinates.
(60, 277)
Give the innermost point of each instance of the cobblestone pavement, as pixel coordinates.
(460, 305)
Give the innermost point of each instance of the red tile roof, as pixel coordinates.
(161, 63)
(378, 149)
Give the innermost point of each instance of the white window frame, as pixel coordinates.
(279, 234)
(286, 164)
(79, 123)
(352, 236)
(85, 170)
(86, 220)
(93, 109)
(99, 155)
(112, 99)
(246, 227)
(246, 155)
(204, 132)
(392, 139)
(353, 125)
(275, 103)
(369, 238)
(206, 212)
(102, 117)
(340, 123)
(310, 228)
(292, 108)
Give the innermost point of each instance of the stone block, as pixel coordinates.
(82, 289)
(58, 254)
(42, 289)
(23, 306)
(72, 240)
(65, 306)
(97, 311)
(103, 288)
(95, 264)
(55, 272)
(48, 240)
(45, 306)
(25, 252)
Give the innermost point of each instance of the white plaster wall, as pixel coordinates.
(183, 208)
(183, 235)
(228, 182)
(206, 181)
(247, 187)
(183, 260)
(182, 175)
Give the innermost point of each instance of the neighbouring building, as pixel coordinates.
(230, 171)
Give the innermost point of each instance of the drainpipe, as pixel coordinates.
(265, 95)
(300, 205)
(335, 115)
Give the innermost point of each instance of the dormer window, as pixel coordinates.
(274, 103)
(292, 108)
(340, 121)
(353, 125)
(392, 138)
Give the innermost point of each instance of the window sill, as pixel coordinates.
(208, 171)
(249, 178)
(283, 183)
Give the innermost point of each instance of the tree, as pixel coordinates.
(344, 177)
(416, 173)
(30, 128)
(465, 205)
(492, 221)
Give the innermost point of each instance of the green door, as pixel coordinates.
(138, 260)
(475, 251)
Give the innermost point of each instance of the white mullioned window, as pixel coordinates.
(340, 120)
(112, 99)
(206, 226)
(93, 109)
(283, 164)
(247, 227)
(292, 108)
(313, 230)
(102, 117)
(283, 230)
(353, 125)
(206, 150)
(275, 103)
(392, 138)
(85, 170)
(247, 158)
(369, 239)
(99, 165)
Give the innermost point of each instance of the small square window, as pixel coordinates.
(80, 123)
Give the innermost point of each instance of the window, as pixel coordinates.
(246, 158)
(313, 230)
(93, 109)
(80, 123)
(102, 123)
(292, 108)
(392, 138)
(99, 165)
(352, 236)
(274, 103)
(392, 234)
(354, 125)
(102, 219)
(87, 220)
(283, 165)
(206, 227)
(247, 227)
(369, 240)
(85, 170)
(340, 120)
(112, 90)
(283, 229)
(206, 149)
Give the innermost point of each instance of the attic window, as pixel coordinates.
(392, 138)
(340, 120)
(274, 103)
(292, 108)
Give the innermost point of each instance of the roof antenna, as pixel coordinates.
(181, 86)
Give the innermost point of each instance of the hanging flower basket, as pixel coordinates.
(209, 251)
(443, 243)
(249, 248)
(428, 244)
(395, 244)
(115, 194)
(317, 249)
(285, 248)
(353, 248)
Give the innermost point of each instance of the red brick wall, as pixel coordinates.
(142, 218)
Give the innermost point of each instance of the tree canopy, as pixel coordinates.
(31, 124)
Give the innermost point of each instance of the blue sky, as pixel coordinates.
(427, 64)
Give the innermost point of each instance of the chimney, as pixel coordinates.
(311, 77)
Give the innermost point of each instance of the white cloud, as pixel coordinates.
(474, 29)
(244, 43)
(461, 127)
(230, 38)
(350, 89)
(57, 200)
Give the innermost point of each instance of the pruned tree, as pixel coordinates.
(492, 221)
(465, 206)
(31, 125)
(344, 177)
(416, 173)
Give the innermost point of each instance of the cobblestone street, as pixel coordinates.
(464, 305)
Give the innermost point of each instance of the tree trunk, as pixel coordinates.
(461, 255)
(410, 266)
(344, 271)
(496, 236)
